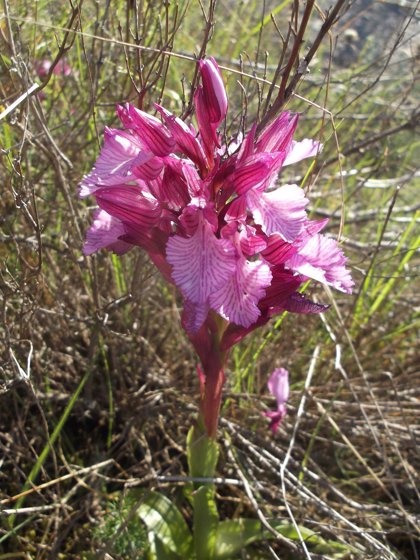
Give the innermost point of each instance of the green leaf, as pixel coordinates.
(158, 551)
(234, 535)
(313, 540)
(202, 453)
(206, 520)
(165, 521)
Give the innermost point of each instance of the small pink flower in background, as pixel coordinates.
(278, 385)
(62, 68)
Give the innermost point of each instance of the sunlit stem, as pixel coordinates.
(214, 380)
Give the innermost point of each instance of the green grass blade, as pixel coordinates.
(53, 438)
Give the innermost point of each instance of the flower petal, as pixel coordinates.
(237, 300)
(127, 203)
(252, 173)
(149, 169)
(277, 136)
(283, 284)
(194, 315)
(208, 132)
(185, 139)
(276, 417)
(322, 259)
(278, 385)
(280, 211)
(174, 187)
(297, 303)
(201, 263)
(215, 97)
(304, 149)
(152, 132)
(104, 233)
(278, 250)
(121, 152)
(236, 210)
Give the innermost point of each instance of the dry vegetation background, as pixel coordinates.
(97, 382)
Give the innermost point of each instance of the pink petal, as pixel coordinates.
(195, 185)
(236, 210)
(194, 213)
(149, 169)
(314, 226)
(278, 250)
(252, 242)
(207, 129)
(304, 149)
(237, 300)
(186, 140)
(248, 145)
(201, 263)
(152, 132)
(283, 284)
(297, 303)
(278, 385)
(252, 173)
(277, 136)
(120, 153)
(154, 242)
(174, 188)
(280, 211)
(215, 97)
(104, 233)
(322, 259)
(276, 417)
(127, 203)
(194, 315)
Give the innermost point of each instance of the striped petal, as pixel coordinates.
(297, 303)
(283, 285)
(277, 136)
(186, 140)
(105, 232)
(194, 315)
(174, 187)
(304, 149)
(149, 169)
(237, 300)
(278, 250)
(127, 203)
(121, 152)
(201, 263)
(151, 131)
(280, 211)
(322, 259)
(253, 173)
(215, 97)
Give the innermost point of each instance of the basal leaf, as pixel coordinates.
(164, 519)
(234, 535)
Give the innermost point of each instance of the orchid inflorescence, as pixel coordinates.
(213, 220)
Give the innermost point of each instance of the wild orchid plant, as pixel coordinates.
(215, 222)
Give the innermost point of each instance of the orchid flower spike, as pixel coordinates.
(214, 219)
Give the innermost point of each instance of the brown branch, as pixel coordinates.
(408, 125)
(286, 91)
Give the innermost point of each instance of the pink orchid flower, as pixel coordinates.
(213, 220)
(278, 385)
